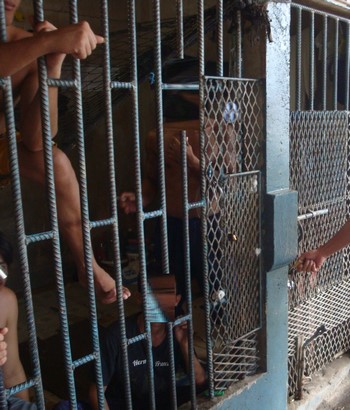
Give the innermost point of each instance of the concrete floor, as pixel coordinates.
(327, 390)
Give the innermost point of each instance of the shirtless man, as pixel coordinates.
(11, 366)
(174, 197)
(18, 59)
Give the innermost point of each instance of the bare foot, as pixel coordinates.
(104, 286)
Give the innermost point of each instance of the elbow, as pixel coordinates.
(201, 380)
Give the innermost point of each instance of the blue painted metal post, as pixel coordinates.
(269, 391)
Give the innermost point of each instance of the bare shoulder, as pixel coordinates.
(7, 296)
(8, 305)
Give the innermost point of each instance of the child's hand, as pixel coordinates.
(181, 333)
(310, 261)
(53, 60)
(3, 346)
(127, 202)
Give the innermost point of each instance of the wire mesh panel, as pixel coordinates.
(233, 135)
(318, 305)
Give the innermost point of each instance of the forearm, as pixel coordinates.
(195, 166)
(199, 373)
(94, 399)
(16, 55)
(340, 240)
(31, 120)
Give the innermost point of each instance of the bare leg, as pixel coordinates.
(69, 214)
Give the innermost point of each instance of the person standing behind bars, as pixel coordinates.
(10, 363)
(181, 112)
(18, 59)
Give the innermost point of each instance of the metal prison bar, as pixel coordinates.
(119, 52)
(235, 107)
(319, 307)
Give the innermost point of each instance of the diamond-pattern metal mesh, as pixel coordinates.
(319, 163)
(233, 141)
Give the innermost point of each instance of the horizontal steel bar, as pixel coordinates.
(180, 87)
(137, 338)
(37, 237)
(252, 349)
(230, 371)
(199, 204)
(122, 85)
(20, 387)
(83, 360)
(242, 174)
(312, 214)
(54, 82)
(240, 79)
(102, 222)
(319, 12)
(152, 214)
(181, 319)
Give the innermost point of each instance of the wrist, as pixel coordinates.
(194, 163)
(325, 251)
(46, 42)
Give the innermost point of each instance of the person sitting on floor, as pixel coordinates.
(11, 366)
(162, 300)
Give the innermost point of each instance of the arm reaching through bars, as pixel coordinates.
(18, 58)
(313, 260)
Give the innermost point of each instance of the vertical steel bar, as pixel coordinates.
(336, 59)
(138, 183)
(298, 60)
(261, 314)
(180, 28)
(159, 128)
(201, 55)
(3, 401)
(220, 38)
(114, 208)
(324, 62)
(161, 168)
(19, 221)
(49, 176)
(172, 365)
(239, 44)
(187, 258)
(312, 62)
(347, 69)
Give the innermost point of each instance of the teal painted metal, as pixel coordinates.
(281, 212)
(269, 392)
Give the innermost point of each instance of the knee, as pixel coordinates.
(62, 166)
